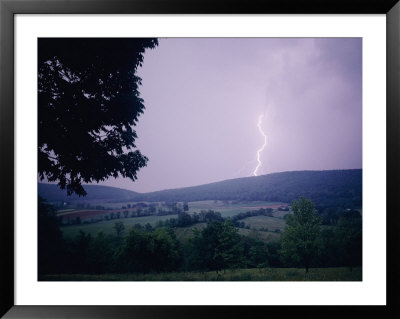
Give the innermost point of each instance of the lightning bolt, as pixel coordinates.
(260, 118)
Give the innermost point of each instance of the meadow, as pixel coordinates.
(265, 223)
(265, 236)
(225, 209)
(107, 226)
(184, 233)
(260, 274)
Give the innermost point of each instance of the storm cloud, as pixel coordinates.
(203, 97)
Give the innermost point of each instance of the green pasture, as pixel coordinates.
(266, 222)
(265, 236)
(226, 210)
(108, 226)
(261, 274)
(279, 213)
(230, 209)
(184, 233)
(257, 222)
(210, 204)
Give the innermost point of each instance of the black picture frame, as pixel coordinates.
(8, 9)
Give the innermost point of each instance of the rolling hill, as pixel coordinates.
(324, 188)
(52, 193)
(327, 188)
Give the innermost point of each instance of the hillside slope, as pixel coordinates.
(327, 188)
(324, 188)
(52, 193)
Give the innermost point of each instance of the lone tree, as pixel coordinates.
(88, 103)
(299, 239)
(119, 228)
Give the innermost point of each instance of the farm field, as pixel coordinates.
(261, 235)
(107, 226)
(279, 213)
(89, 214)
(119, 205)
(231, 209)
(265, 222)
(184, 233)
(261, 274)
(225, 210)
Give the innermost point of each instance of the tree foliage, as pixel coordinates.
(88, 102)
(217, 247)
(50, 241)
(349, 235)
(214, 246)
(157, 250)
(119, 228)
(300, 237)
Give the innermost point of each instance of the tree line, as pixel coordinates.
(331, 188)
(217, 246)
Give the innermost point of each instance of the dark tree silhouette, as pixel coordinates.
(88, 102)
(50, 241)
(119, 228)
(349, 238)
(299, 240)
(216, 247)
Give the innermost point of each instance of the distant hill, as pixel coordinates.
(324, 188)
(52, 193)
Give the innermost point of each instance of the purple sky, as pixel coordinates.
(203, 98)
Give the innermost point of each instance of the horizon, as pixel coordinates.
(167, 189)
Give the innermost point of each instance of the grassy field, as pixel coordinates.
(184, 233)
(108, 226)
(195, 206)
(263, 274)
(260, 235)
(279, 213)
(113, 204)
(266, 222)
(230, 209)
(226, 211)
